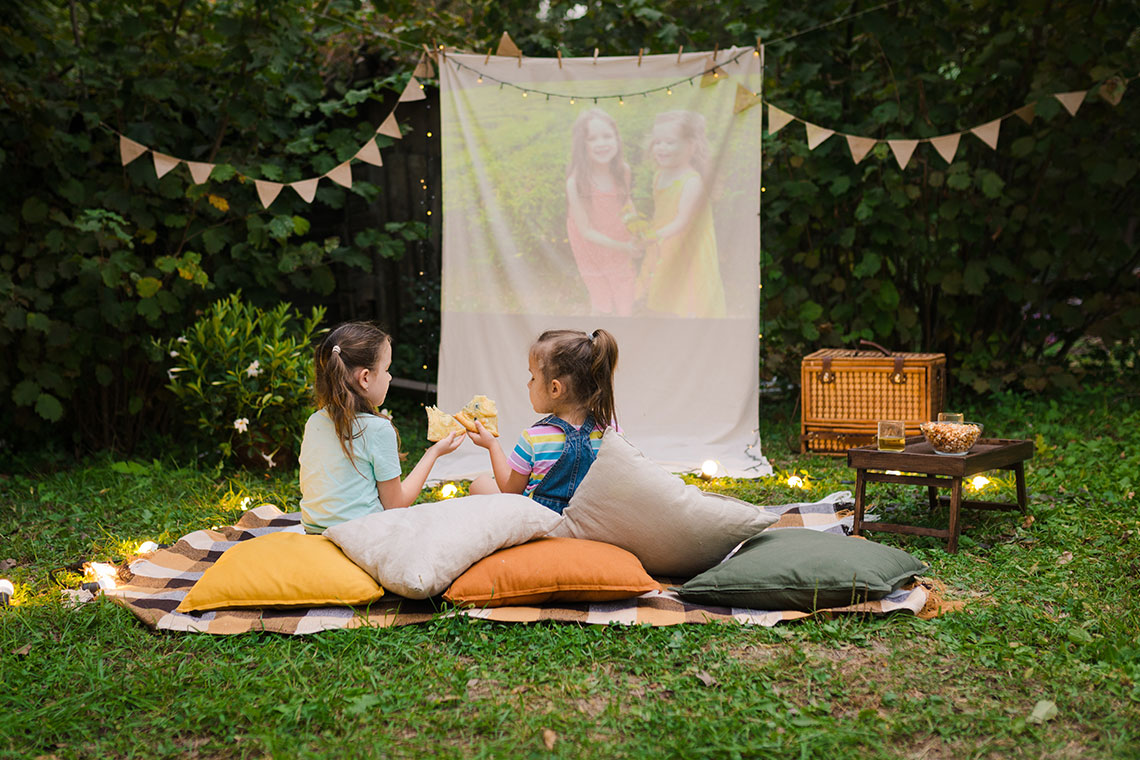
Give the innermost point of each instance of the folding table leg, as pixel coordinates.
(932, 496)
(860, 491)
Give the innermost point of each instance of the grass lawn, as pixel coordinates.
(1051, 615)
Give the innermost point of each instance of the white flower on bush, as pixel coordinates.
(181, 339)
(268, 459)
(174, 353)
(241, 424)
(254, 369)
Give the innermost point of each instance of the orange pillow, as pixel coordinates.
(552, 569)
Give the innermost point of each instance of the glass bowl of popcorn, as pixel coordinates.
(952, 439)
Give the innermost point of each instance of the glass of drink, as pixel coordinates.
(951, 417)
(892, 435)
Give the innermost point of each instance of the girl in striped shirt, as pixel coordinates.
(572, 383)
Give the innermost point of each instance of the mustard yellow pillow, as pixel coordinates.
(552, 569)
(282, 570)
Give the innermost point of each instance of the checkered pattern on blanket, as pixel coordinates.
(154, 585)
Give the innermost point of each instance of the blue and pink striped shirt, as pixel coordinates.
(539, 447)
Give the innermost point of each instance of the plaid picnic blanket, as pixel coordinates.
(152, 587)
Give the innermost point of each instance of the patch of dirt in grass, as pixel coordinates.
(757, 654)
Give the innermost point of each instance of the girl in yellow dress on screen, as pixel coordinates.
(681, 273)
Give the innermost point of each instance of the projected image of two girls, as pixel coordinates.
(665, 263)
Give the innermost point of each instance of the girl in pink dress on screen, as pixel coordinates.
(598, 197)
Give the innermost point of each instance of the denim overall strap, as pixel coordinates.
(560, 482)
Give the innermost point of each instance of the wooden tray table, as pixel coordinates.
(936, 471)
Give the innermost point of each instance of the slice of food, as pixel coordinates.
(441, 424)
(482, 409)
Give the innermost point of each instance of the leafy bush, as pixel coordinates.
(95, 257)
(244, 380)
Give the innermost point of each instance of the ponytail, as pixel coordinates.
(602, 368)
(586, 363)
(346, 349)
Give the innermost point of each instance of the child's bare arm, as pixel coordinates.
(506, 478)
(582, 220)
(692, 195)
(397, 494)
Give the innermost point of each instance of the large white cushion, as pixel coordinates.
(417, 552)
(675, 529)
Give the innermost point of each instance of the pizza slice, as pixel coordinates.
(441, 424)
(482, 409)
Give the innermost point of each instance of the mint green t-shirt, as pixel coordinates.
(332, 490)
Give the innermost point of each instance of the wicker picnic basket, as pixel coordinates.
(845, 392)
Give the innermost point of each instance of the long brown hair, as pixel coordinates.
(580, 160)
(586, 364)
(346, 349)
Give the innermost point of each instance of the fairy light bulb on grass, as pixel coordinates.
(146, 547)
(709, 469)
(7, 591)
(980, 481)
(795, 481)
(449, 490)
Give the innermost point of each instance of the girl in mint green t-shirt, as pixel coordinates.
(350, 455)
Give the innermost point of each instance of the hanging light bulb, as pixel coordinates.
(668, 90)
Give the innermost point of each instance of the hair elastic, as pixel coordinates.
(336, 349)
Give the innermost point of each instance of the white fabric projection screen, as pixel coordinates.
(620, 193)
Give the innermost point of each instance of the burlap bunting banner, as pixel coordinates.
(988, 132)
(1071, 100)
(947, 146)
(390, 127)
(129, 150)
(859, 146)
(903, 150)
(745, 99)
(777, 119)
(414, 91)
(816, 135)
(306, 188)
(267, 191)
(163, 163)
(370, 154)
(199, 171)
(342, 175)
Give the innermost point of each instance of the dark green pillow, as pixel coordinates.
(800, 569)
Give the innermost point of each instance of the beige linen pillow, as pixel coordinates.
(417, 552)
(675, 529)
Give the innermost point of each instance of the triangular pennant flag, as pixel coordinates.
(709, 78)
(199, 171)
(777, 119)
(129, 150)
(988, 133)
(424, 68)
(414, 91)
(903, 149)
(745, 99)
(306, 188)
(1027, 112)
(1071, 100)
(267, 191)
(342, 175)
(390, 127)
(369, 153)
(947, 146)
(1112, 90)
(163, 163)
(816, 135)
(508, 47)
(860, 146)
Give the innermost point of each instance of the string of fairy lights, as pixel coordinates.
(713, 71)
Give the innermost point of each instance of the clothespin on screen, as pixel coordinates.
(639, 53)
(559, 51)
(680, 50)
(715, 49)
(595, 56)
(488, 58)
